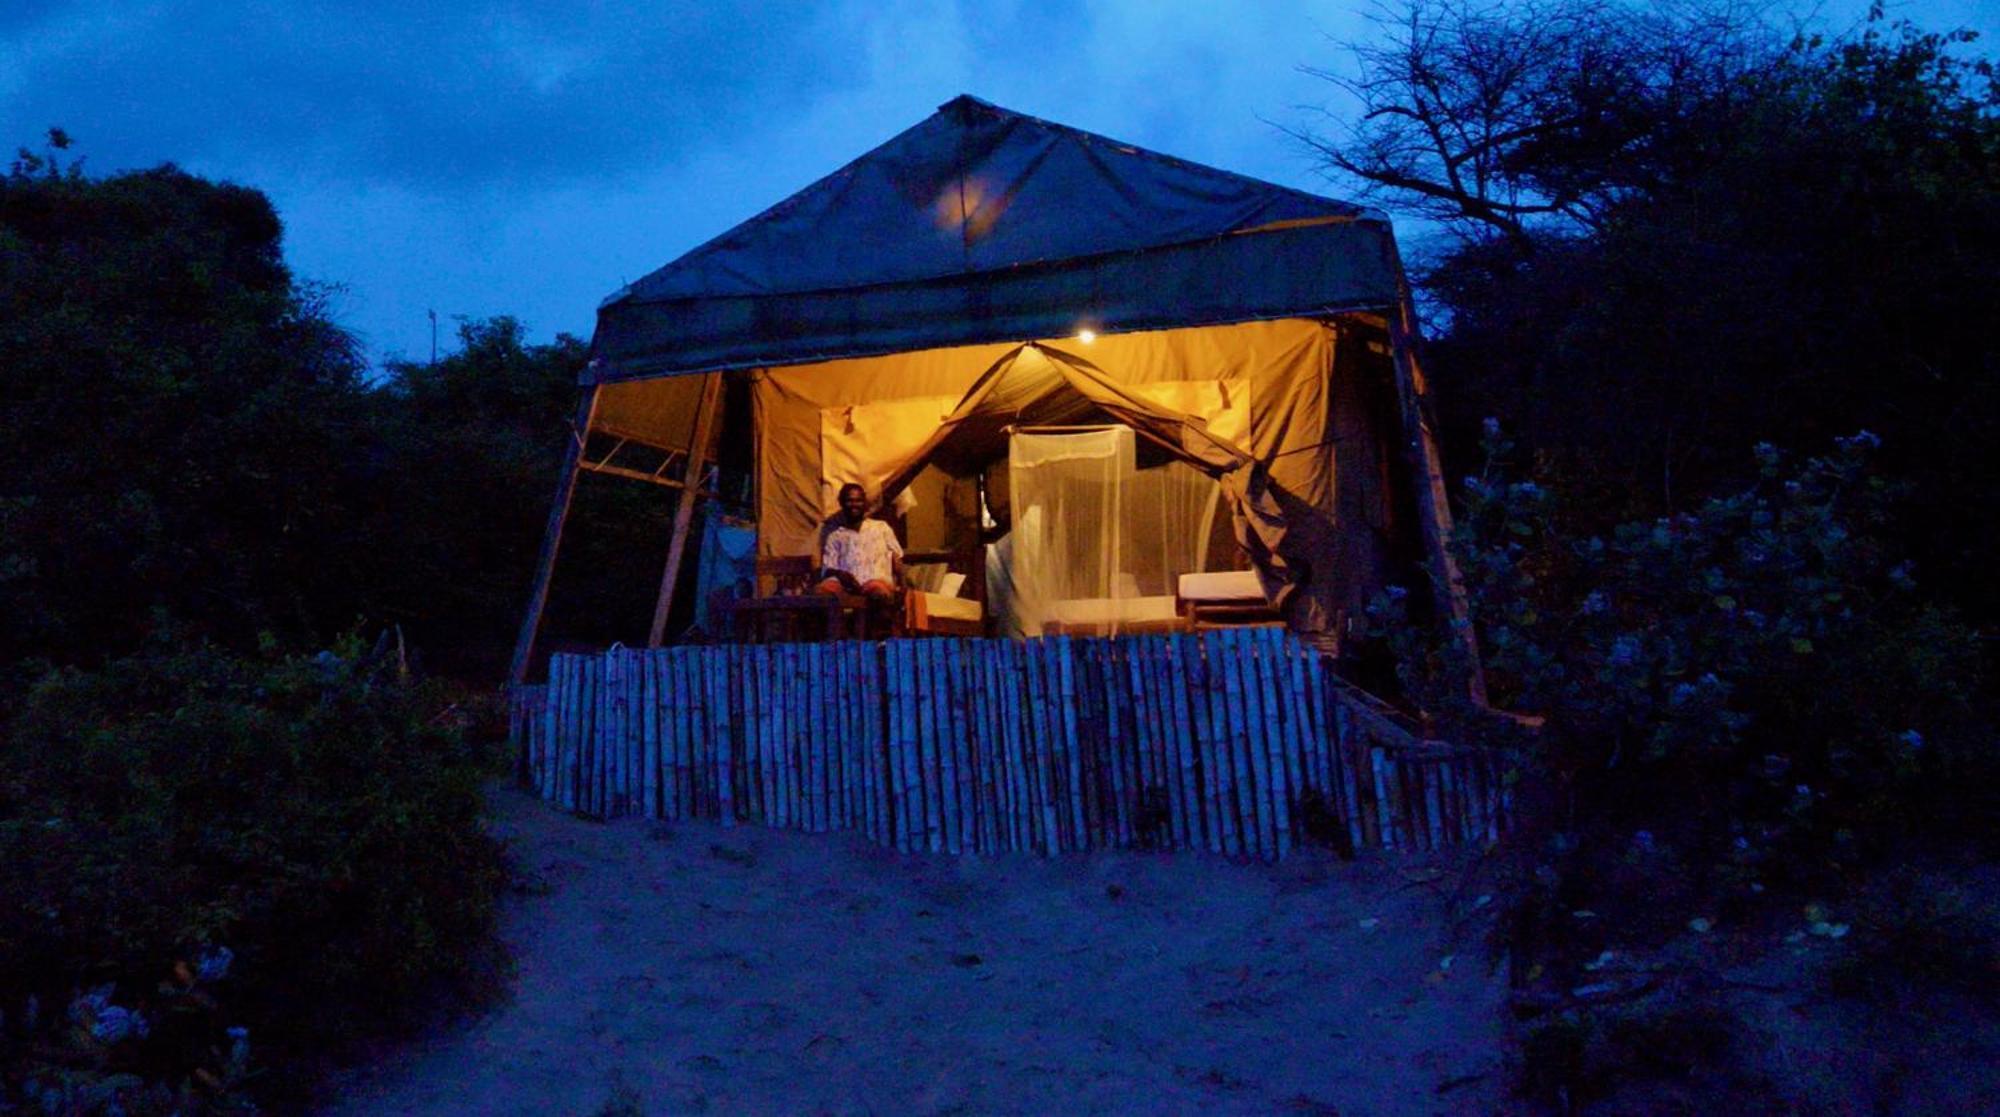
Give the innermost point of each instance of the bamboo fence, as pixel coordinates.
(1236, 741)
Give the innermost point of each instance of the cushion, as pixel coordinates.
(1222, 585)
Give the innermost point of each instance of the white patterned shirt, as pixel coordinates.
(868, 552)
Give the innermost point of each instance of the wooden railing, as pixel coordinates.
(1236, 741)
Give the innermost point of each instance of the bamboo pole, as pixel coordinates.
(618, 677)
(816, 728)
(673, 729)
(1265, 723)
(1451, 789)
(1312, 747)
(923, 811)
(1217, 669)
(895, 817)
(840, 725)
(1433, 508)
(545, 780)
(591, 802)
(962, 743)
(930, 765)
(880, 732)
(978, 707)
(1201, 736)
(757, 688)
(1041, 815)
(1066, 697)
(545, 562)
(1186, 816)
(559, 727)
(1007, 687)
(1180, 698)
(905, 799)
(950, 774)
(777, 725)
(1059, 745)
(1278, 730)
(991, 748)
(695, 674)
(697, 460)
(1251, 780)
(658, 729)
(938, 770)
(874, 748)
(798, 756)
(1098, 682)
(1254, 770)
(1155, 783)
(716, 771)
(1385, 808)
(722, 723)
(1028, 741)
(1146, 688)
(1099, 656)
(774, 732)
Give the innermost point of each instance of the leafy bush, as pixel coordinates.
(207, 852)
(1683, 1056)
(1749, 695)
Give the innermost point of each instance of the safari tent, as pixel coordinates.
(1086, 379)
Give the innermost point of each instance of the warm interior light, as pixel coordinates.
(1086, 336)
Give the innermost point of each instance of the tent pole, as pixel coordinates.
(1433, 507)
(538, 598)
(704, 426)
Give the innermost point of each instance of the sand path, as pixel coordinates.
(754, 971)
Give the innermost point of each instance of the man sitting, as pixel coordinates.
(858, 554)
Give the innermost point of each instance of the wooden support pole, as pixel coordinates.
(697, 459)
(538, 597)
(1433, 507)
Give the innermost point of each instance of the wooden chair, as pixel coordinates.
(923, 614)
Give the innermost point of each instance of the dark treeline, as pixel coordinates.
(192, 448)
(1676, 231)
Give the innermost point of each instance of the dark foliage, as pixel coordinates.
(174, 418)
(210, 855)
(1678, 231)
(189, 447)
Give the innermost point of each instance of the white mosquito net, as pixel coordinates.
(1098, 544)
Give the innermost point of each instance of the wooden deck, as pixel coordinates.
(1237, 741)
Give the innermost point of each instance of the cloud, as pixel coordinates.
(435, 96)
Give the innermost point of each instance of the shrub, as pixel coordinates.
(208, 852)
(1747, 695)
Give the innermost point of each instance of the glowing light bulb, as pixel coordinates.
(1086, 336)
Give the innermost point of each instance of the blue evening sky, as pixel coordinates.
(481, 157)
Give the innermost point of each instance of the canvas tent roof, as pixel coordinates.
(984, 225)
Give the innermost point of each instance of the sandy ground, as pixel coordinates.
(704, 970)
